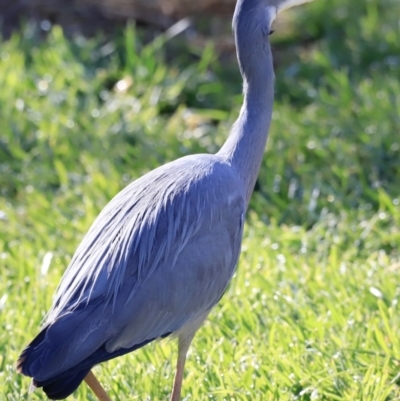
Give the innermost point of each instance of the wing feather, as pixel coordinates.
(159, 255)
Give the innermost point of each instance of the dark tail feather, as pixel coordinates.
(68, 342)
(63, 344)
(61, 388)
(30, 354)
(56, 388)
(64, 384)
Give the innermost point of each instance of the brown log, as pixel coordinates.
(87, 14)
(169, 8)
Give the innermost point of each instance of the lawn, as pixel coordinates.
(312, 312)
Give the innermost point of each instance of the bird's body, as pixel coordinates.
(163, 251)
(155, 261)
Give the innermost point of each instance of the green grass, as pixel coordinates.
(312, 313)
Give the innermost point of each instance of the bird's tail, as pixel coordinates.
(58, 357)
(57, 387)
(23, 365)
(44, 359)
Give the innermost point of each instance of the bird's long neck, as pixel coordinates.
(244, 148)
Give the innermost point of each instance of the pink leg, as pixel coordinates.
(96, 387)
(184, 344)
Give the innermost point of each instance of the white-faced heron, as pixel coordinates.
(163, 251)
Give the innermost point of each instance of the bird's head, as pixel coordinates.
(256, 16)
(252, 26)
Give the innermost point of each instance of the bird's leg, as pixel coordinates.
(96, 387)
(184, 344)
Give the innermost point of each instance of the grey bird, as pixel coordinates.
(163, 251)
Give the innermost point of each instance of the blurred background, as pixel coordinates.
(94, 94)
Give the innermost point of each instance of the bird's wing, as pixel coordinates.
(188, 285)
(160, 254)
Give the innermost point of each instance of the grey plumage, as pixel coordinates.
(150, 255)
(162, 252)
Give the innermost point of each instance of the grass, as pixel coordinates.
(312, 313)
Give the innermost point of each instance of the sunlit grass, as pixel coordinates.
(312, 313)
